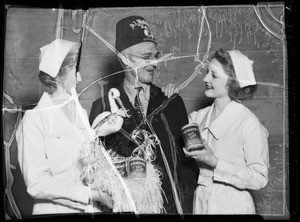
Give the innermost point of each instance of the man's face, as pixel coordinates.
(143, 56)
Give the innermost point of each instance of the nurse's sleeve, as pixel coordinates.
(253, 175)
(36, 170)
(192, 117)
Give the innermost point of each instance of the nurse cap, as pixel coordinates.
(53, 55)
(243, 68)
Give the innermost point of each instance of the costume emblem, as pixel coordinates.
(144, 25)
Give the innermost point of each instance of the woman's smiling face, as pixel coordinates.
(216, 80)
(68, 76)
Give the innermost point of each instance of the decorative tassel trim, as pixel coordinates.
(98, 174)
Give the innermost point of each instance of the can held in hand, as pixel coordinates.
(192, 137)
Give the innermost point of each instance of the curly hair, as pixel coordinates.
(48, 81)
(235, 92)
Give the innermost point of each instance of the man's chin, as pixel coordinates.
(148, 81)
(147, 78)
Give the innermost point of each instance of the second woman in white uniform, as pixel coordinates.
(236, 156)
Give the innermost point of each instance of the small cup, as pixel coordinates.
(120, 164)
(137, 167)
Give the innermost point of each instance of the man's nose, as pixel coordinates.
(206, 78)
(153, 62)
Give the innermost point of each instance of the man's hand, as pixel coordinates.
(169, 90)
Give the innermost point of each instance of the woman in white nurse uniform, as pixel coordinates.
(236, 156)
(51, 135)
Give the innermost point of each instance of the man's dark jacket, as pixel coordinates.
(170, 115)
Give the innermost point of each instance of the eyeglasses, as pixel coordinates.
(146, 57)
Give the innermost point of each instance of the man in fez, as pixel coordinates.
(149, 110)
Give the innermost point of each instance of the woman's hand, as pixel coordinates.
(206, 155)
(169, 90)
(102, 197)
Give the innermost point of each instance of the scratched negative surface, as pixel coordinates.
(190, 34)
